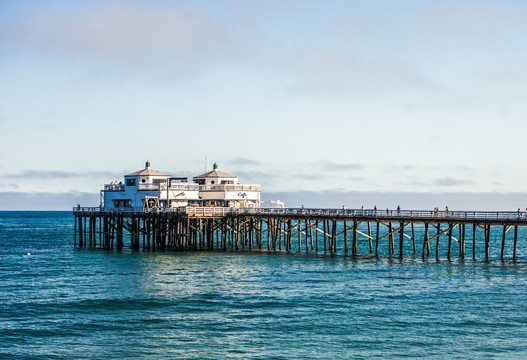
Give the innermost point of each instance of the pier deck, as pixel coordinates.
(308, 230)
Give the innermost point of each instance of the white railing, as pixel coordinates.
(151, 186)
(227, 187)
(114, 187)
(163, 186)
(184, 187)
(344, 213)
(209, 211)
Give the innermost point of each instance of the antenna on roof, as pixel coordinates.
(206, 166)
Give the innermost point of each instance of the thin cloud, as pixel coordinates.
(488, 201)
(465, 19)
(242, 162)
(123, 32)
(393, 168)
(255, 176)
(59, 174)
(332, 73)
(17, 200)
(448, 181)
(327, 165)
(307, 176)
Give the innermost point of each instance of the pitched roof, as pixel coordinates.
(146, 172)
(215, 174)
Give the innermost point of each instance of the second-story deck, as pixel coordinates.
(184, 186)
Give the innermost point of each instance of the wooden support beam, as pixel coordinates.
(390, 239)
(515, 240)
(369, 236)
(377, 240)
(401, 238)
(425, 239)
(334, 236)
(345, 238)
(299, 237)
(325, 235)
(503, 241)
(449, 241)
(474, 228)
(307, 242)
(413, 237)
(437, 241)
(487, 242)
(354, 245)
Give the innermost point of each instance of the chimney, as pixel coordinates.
(147, 164)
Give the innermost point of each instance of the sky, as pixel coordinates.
(323, 103)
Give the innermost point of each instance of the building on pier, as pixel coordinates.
(149, 188)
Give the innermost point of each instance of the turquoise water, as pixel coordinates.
(62, 302)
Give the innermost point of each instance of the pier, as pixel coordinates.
(445, 234)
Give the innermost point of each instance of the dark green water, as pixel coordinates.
(64, 302)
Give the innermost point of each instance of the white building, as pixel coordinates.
(220, 189)
(150, 188)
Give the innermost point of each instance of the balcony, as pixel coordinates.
(163, 186)
(114, 187)
(226, 187)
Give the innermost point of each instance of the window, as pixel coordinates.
(130, 182)
(122, 203)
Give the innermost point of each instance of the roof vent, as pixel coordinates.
(147, 164)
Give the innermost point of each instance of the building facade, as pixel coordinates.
(148, 188)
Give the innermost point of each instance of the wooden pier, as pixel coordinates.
(439, 234)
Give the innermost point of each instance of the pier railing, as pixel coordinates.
(421, 214)
(344, 213)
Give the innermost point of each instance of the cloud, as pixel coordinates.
(59, 174)
(313, 176)
(448, 181)
(242, 162)
(122, 32)
(46, 200)
(483, 201)
(333, 73)
(328, 165)
(257, 177)
(468, 18)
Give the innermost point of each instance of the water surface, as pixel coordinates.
(66, 302)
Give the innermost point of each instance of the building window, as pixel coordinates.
(130, 182)
(143, 181)
(122, 203)
(212, 182)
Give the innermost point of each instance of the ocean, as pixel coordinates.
(62, 302)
